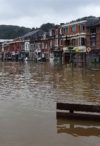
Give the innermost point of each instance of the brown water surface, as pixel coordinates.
(28, 96)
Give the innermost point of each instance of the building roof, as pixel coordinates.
(34, 33)
(5, 40)
(93, 22)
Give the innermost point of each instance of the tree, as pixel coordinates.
(11, 32)
(46, 27)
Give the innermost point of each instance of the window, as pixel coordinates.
(46, 46)
(73, 42)
(83, 41)
(60, 30)
(42, 45)
(66, 29)
(50, 43)
(74, 28)
(56, 42)
(93, 42)
(93, 30)
(50, 32)
(82, 27)
(61, 42)
(56, 32)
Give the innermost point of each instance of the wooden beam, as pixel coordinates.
(78, 107)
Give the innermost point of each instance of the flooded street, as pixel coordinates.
(28, 96)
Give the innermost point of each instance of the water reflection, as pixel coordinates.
(50, 82)
(28, 96)
(78, 128)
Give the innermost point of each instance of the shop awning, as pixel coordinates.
(80, 49)
(65, 49)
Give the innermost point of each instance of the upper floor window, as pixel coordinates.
(50, 43)
(63, 30)
(93, 41)
(73, 28)
(56, 32)
(60, 30)
(42, 45)
(56, 42)
(83, 41)
(93, 30)
(50, 32)
(67, 29)
(82, 27)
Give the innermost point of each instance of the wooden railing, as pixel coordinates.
(72, 110)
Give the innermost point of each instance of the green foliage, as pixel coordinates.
(11, 32)
(46, 27)
(70, 47)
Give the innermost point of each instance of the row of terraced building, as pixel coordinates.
(76, 41)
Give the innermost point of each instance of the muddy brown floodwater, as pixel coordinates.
(28, 96)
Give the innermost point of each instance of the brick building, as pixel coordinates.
(17, 49)
(74, 33)
(93, 33)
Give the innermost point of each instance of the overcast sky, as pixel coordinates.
(33, 13)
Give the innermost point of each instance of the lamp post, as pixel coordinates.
(70, 51)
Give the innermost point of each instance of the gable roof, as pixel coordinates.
(93, 22)
(34, 34)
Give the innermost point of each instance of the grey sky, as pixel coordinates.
(33, 13)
